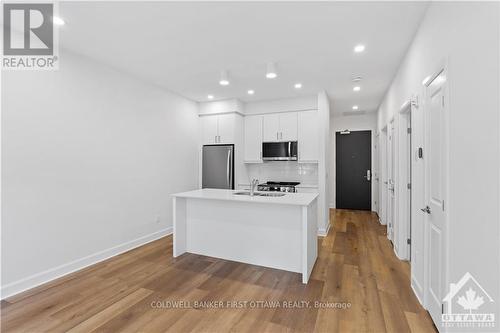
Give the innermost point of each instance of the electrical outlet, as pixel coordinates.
(157, 218)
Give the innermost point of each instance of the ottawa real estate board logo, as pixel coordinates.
(30, 38)
(468, 305)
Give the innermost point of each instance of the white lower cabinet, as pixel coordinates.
(308, 137)
(253, 139)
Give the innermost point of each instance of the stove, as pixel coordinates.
(278, 186)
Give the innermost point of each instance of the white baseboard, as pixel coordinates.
(322, 232)
(35, 280)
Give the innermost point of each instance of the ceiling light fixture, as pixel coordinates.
(359, 48)
(357, 79)
(298, 85)
(356, 88)
(271, 72)
(58, 21)
(355, 107)
(224, 78)
(251, 92)
(210, 96)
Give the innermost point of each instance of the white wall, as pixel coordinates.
(90, 157)
(362, 122)
(467, 35)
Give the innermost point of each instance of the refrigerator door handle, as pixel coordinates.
(228, 168)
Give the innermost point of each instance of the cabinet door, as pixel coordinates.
(253, 139)
(308, 139)
(226, 124)
(288, 126)
(209, 129)
(271, 127)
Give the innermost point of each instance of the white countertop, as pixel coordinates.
(298, 199)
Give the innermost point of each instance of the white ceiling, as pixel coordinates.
(184, 46)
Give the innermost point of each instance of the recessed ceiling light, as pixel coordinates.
(359, 48)
(210, 96)
(224, 79)
(356, 88)
(251, 92)
(298, 85)
(271, 72)
(58, 21)
(355, 107)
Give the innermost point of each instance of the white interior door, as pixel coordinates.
(435, 184)
(417, 202)
(383, 176)
(390, 182)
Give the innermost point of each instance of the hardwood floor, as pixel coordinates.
(130, 293)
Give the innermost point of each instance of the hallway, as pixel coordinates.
(355, 265)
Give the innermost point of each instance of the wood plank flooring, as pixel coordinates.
(136, 291)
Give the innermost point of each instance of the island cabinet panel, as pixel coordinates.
(308, 137)
(253, 139)
(275, 232)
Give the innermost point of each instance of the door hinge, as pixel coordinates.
(408, 241)
(442, 100)
(414, 101)
(408, 130)
(443, 205)
(442, 308)
(408, 186)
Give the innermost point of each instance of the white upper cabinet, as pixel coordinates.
(308, 136)
(218, 129)
(280, 127)
(209, 129)
(271, 127)
(253, 139)
(288, 126)
(226, 124)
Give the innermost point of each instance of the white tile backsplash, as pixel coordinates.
(305, 173)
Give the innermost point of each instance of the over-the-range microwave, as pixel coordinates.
(279, 151)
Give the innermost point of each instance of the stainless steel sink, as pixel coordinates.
(260, 194)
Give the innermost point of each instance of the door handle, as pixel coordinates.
(427, 209)
(368, 175)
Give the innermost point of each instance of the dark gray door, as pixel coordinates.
(218, 166)
(353, 170)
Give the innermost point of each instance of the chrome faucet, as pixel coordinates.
(253, 185)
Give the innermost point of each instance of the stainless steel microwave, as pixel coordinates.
(279, 151)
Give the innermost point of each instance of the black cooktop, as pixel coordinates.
(281, 183)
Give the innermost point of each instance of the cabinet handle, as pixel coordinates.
(281, 135)
(277, 136)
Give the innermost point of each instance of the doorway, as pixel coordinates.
(404, 182)
(353, 169)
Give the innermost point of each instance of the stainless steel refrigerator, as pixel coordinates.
(218, 166)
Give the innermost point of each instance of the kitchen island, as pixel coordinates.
(274, 230)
